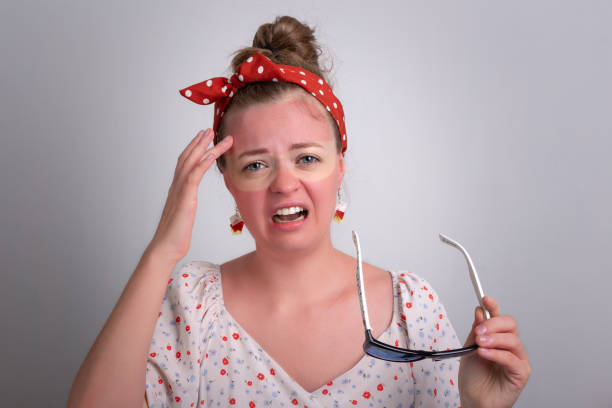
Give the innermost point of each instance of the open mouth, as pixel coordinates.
(289, 214)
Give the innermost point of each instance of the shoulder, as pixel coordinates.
(417, 286)
(414, 283)
(195, 270)
(193, 281)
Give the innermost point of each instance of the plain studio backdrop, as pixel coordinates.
(487, 121)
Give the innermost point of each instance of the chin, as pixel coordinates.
(291, 238)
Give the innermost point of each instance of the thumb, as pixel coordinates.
(478, 318)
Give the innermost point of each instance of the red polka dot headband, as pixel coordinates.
(259, 68)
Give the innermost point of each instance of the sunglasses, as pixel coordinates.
(383, 351)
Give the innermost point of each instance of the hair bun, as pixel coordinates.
(285, 41)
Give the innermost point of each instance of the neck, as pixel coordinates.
(293, 280)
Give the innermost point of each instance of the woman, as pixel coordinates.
(281, 325)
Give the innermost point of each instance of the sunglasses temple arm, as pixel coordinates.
(360, 289)
(473, 274)
(477, 286)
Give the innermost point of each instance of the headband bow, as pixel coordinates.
(259, 68)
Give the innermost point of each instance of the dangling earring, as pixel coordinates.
(236, 223)
(340, 209)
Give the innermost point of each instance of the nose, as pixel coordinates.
(284, 180)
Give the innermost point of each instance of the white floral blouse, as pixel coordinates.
(201, 357)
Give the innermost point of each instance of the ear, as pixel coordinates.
(342, 170)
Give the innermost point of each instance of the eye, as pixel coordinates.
(254, 166)
(308, 159)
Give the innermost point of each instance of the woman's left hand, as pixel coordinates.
(495, 374)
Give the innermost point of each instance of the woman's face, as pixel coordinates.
(284, 171)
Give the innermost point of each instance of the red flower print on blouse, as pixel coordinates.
(229, 344)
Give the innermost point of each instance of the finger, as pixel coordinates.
(478, 319)
(503, 341)
(517, 367)
(498, 324)
(221, 147)
(188, 150)
(212, 155)
(195, 155)
(193, 142)
(491, 305)
(183, 166)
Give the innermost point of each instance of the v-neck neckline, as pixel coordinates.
(280, 368)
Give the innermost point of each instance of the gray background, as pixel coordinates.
(487, 121)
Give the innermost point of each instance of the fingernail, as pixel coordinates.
(484, 339)
(481, 330)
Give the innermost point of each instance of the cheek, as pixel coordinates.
(246, 201)
(323, 193)
(250, 206)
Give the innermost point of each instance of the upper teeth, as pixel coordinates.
(288, 210)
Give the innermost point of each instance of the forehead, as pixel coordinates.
(278, 124)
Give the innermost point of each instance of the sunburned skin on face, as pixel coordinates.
(308, 151)
(257, 169)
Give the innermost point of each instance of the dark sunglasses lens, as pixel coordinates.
(390, 355)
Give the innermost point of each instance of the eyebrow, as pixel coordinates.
(294, 146)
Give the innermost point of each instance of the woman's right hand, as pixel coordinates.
(173, 235)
